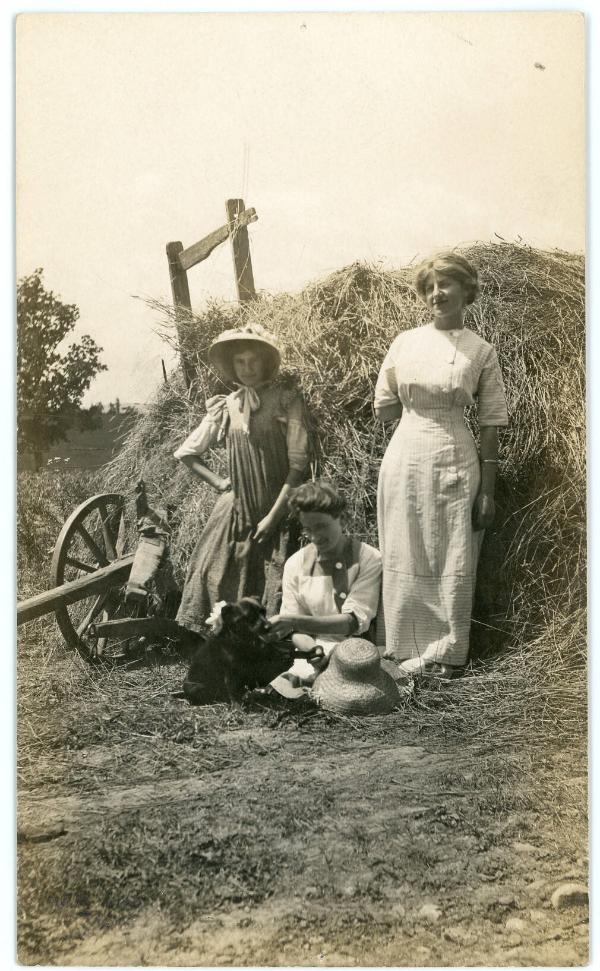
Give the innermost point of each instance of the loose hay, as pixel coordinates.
(531, 592)
(513, 727)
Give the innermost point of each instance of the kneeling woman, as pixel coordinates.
(331, 586)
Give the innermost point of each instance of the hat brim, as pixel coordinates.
(377, 697)
(221, 353)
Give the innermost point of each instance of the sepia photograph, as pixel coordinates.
(301, 552)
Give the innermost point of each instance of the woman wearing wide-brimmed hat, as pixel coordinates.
(245, 542)
(436, 488)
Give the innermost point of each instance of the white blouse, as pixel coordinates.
(426, 368)
(314, 595)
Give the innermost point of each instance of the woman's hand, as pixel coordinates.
(223, 485)
(484, 511)
(265, 528)
(280, 625)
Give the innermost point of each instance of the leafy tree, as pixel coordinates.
(50, 383)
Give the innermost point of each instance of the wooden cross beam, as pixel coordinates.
(181, 260)
(199, 251)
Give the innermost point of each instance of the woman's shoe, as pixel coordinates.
(289, 686)
(420, 666)
(416, 665)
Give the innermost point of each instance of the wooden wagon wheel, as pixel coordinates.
(94, 536)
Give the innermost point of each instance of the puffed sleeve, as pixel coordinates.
(386, 388)
(209, 432)
(363, 596)
(292, 601)
(491, 398)
(296, 434)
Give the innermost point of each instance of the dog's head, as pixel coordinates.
(245, 617)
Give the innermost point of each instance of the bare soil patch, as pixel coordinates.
(276, 834)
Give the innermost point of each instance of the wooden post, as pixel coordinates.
(240, 245)
(181, 299)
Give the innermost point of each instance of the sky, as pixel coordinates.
(355, 136)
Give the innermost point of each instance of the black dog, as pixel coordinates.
(244, 654)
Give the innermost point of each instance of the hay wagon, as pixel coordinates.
(113, 593)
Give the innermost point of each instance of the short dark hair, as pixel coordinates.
(317, 497)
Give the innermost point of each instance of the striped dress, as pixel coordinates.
(428, 482)
(263, 443)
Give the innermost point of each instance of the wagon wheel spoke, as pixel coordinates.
(121, 534)
(80, 565)
(98, 605)
(94, 536)
(106, 521)
(102, 641)
(91, 544)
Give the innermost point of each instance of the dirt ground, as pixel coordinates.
(152, 833)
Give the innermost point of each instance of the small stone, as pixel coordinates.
(515, 924)
(40, 832)
(513, 940)
(311, 892)
(507, 900)
(524, 847)
(430, 912)
(570, 895)
(458, 935)
(536, 885)
(423, 952)
(582, 929)
(538, 916)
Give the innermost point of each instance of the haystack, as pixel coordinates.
(334, 334)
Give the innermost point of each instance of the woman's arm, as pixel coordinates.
(209, 433)
(485, 509)
(389, 412)
(197, 466)
(387, 405)
(297, 449)
(279, 508)
(341, 625)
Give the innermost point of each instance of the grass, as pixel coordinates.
(253, 805)
(319, 819)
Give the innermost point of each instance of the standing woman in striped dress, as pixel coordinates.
(436, 490)
(262, 424)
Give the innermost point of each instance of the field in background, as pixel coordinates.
(84, 449)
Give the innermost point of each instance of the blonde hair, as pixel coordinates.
(455, 266)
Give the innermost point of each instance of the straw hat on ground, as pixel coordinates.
(221, 351)
(354, 682)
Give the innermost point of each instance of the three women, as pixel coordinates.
(435, 492)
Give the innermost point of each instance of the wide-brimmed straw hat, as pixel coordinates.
(221, 351)
(354, 683)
